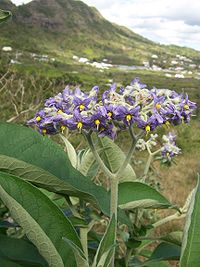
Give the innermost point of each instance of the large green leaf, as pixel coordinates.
(71, 152)
(190, 254)
(105, 250)
(42, 155)
(78, 253)
(165, 251)
(18, 251)
(173, 238)
(138, 195)
(40, 177)
(113, 157)
(87, 164)
(4, 15)
(42, 221)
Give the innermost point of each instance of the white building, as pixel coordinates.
(7, 49)
(180, 76)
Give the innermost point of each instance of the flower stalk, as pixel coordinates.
(84, 241)
(113, 177)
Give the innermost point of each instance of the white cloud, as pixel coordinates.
(167, 21)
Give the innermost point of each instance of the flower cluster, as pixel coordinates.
(142, 144)
(114, 110)
(168, 146)
(169, 149)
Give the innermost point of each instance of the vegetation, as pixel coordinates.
(52, 190)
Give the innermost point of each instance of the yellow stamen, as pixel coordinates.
(167, 123)
(44, 131)
(81, 107)
(186, 107)
(128, 117)
(109, 114)
(147, 128)
(59, 111)
(38, 118)
(158, 106)
(62, 128)
(97, 122)
(79, 125)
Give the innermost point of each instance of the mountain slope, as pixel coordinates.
(66, 27)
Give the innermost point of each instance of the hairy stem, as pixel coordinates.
(149, 160)
(114, 177)
(97, 157)
(130, 153)
(84, 240)
(167, 219)
(148, 164)
(126, 161)
(113, 208)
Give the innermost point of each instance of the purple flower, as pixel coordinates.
(136, 82)
(128, 116)
(114, 111)
(169, 149)
(39, 116)
(98, 118)
(77, 122)
(81, 104)
(107, 95)
(109, 130)
(150, 124)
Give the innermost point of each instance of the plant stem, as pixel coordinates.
(113, 210)
(97, 157)
(130, 153)
(114, 177)
(148, 164)
(149, 160)
(113, 197)
(167, 219)
(84, 241)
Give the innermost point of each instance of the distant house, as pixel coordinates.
(75, 57)
(14, 62)
(7, 49)
(83, 59)
(180, 76)
(174, 62)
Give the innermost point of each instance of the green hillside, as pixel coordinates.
(62, 28)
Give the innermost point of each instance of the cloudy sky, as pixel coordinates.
(164, 21)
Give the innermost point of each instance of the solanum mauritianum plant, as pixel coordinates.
(55, 204)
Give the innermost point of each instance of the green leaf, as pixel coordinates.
(190, 254)
(165, 251)
(71, 152)
(106, 244)
(43, 155)
(138, 195)
(106, 257)
(42, 221)
(21, 251)
(4, 15)
(173, 237)
(113, 157)
(79, 255)
(88, 165)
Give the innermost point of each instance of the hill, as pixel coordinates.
(66, 27)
